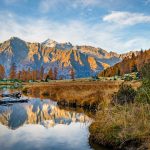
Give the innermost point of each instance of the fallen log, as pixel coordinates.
(13, 101)
(15, 95)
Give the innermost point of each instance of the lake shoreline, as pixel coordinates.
(100, 91)
(86, 94)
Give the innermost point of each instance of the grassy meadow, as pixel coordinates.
(86, 94)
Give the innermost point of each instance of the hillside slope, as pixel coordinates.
(128, 65)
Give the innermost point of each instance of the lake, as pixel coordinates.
(41, 124)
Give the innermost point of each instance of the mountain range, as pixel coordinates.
(85, 60)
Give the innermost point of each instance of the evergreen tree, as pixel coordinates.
(47, 77)
(134, 68)
(118, 72)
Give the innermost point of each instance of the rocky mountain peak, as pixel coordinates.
(53, 44)
(49, 43)
(16, 40)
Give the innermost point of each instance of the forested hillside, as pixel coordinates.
(128, 65)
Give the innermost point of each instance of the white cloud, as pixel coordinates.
(126, 18)
(77, 32)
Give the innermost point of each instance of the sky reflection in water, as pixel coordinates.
(41, 124)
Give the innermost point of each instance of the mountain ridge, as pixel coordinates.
(85, 60)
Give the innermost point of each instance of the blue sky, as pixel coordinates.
(114, 25)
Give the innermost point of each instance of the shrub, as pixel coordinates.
(128, 78)
(121, 124)
(146, 71)
(126, 94)
(143, 94)
(25, 90)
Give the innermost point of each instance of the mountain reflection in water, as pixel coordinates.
(41, 124)
(43, 112)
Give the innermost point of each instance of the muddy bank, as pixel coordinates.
(134, 144)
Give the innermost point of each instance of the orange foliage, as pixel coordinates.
(128, 65)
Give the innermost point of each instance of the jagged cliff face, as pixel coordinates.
(85, 60)
(45, 112)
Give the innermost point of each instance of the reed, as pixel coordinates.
(79, 94)
(122, 126)
(75, 94)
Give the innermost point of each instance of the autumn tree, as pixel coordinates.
(41, 73)
(2, 72)
(29, 76)
(72, 73)
(13, 70)
(24, 75)
(34, 75)
(38, 77)
(50, 74)
(19, 75)
(55, 73)
(128, 65)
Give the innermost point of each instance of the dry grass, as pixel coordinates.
(81, 93)
(120, 125)
(87, 94)
(114, 125)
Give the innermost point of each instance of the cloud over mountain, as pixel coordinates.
(126, 18)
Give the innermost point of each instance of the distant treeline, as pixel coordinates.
(26, 75)
(128, 65)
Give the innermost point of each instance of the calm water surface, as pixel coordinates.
(42, 125)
